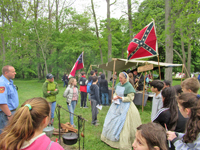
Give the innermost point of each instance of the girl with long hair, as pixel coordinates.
(169, 114)
(189, 106)
(71, 93)
(25, 130)
(150, 136)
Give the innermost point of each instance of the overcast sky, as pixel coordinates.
(117, 10)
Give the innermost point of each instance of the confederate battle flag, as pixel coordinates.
(144, 44)
(78, 65)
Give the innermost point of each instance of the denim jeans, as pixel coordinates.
(64, 84)
(94, 111)
(3, 120)
(71, 109)
(53, 107)
(103, 96)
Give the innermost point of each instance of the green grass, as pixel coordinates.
(33, 88)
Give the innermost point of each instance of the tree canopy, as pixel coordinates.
(38, 37)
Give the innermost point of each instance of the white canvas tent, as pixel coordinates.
(123, 64)
(118, 64)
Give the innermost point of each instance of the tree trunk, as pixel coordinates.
(109, 37)
(36, 40)
(39, 71)
(97, 32)
(130, 20)
(49, 9)
(189, 52)
(57, 29)
(182, 46)
(168, 40)
(3, 52)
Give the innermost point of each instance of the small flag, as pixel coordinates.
(78, 65)
(144, 44)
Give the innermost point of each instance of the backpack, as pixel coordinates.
(199, 77)
(88, 86)
(82, 81)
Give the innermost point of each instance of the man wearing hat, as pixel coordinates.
(50, 90)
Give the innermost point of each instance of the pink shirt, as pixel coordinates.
(75, 94)
(41, 143)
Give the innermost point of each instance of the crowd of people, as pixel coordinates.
(175, 116)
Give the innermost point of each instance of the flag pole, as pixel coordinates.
(157, 50)
(83, 61)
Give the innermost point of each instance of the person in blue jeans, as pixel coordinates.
(71, 93)
(103, 86)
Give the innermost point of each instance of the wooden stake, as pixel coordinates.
(143, 94)
(113, 79)
(159, 67)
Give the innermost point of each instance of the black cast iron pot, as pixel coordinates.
(70, 138)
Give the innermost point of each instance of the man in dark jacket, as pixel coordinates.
(95, 100)
(138, 80)
(103, 85)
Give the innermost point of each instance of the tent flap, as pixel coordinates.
(124, 64)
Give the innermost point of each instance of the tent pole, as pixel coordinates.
(91, 67)
(83, 61)
(143, 93)
(182, 72)
(113, 79)
(159, 67)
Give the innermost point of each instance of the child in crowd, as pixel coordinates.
(104, 90)
(130, 74)
(190, 85)
(156, 87)
(189, 106)
(167, 83)
(178, 90)
(169, 114)
(95, 100)
(150, 136)
(25, 130)
(83, 88)
(71, 93)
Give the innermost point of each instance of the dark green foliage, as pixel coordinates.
(30, 39)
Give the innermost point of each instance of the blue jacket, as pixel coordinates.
(8, 93)
(180, 145)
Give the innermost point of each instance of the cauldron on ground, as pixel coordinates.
(49, 131)
(70, 138)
